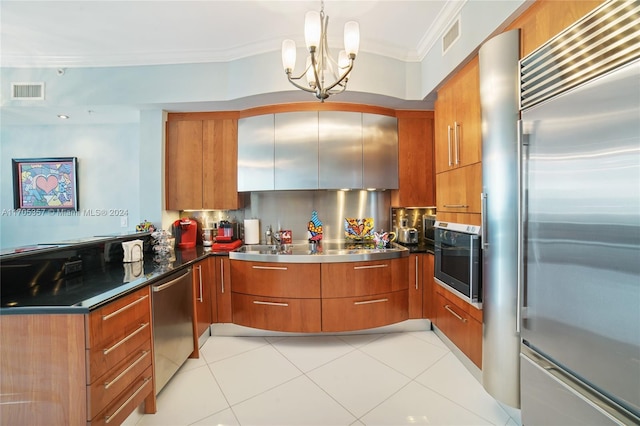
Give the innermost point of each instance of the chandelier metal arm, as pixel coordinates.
(291, 80)
(343, 78)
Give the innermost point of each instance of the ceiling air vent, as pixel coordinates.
(27, 91)
(451, 36)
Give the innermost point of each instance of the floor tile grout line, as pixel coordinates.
(239, 353)
(224, 395)
(451, 400)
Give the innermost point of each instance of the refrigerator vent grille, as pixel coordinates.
(603, 40)
(27, 91)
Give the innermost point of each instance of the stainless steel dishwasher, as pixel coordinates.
(172, 301)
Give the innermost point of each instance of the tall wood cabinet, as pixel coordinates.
(416, 177)
(458, 147)
(201, 161)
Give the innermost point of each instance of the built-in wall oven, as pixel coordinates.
(458, 259)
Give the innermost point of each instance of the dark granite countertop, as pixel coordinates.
(36, 284)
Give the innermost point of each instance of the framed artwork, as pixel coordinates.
(45, 183)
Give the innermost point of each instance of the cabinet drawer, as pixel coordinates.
(113, 321)
(357, 313)
(277, 314)
(276, 279)
(110, 385)
(355, 279)
(460, 327)
(104, 357)
(120, 408)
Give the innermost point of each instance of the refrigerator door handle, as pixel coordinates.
(522, 141)
(483, 221)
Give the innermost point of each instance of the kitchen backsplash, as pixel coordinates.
(291, 210)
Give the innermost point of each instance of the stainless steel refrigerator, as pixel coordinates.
(580, 193)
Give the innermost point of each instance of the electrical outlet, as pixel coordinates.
(124, 221)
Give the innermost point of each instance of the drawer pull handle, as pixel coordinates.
(384, 265)
(108, 418)
(114, 313)
(271, 268)
(107, 385)
(455, 314)
(457, 206)
(367, 302)
(260, 302)
(138, 330)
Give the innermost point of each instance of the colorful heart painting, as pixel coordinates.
(47, 184)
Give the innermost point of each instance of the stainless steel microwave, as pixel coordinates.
(458, 259)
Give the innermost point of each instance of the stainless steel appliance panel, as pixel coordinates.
(296, 150)
(380, 151)
(256, 153)
(499, 102)
(340, 150)
(172, 302)
(551, 399)
(582, 227)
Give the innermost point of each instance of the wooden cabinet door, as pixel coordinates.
(416, 287)
(364, 278)
(184, 165)
(444, 117)
(223, 289)
(202, 282)
(416, 178)
(459, 190)
(287, 280)
(220, 164)
(428, 292)
(358, 313)
(467, 125)
(277, 314)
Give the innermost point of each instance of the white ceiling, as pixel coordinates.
(115, 33)
(105, 33)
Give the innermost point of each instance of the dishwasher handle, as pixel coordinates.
(164, 286)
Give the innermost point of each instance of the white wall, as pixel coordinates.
(108, 178)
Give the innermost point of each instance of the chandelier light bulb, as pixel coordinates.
(312, 29)
(323, 74)
(288, 55)
(352, 38)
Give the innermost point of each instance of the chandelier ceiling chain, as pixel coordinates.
(324, 75)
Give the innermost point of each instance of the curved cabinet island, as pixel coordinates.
(308, 288)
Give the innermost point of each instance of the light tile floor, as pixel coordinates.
(400, 378)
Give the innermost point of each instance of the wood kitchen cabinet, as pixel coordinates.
(460, 322)
(428, 292)
(276, 296)
(74, 369)
(458, 130)
(459, 190)
(416, 175)
(201, 161)
(416, 286)
(221, 303)
(458, 147)
(204, 298)
(421, 290)
(360, 295)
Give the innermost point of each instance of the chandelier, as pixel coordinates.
(324, 75)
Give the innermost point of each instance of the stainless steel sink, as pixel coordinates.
(304, 252)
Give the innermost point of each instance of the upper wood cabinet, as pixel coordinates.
(416, 179)
(201, 162)
(458, 130)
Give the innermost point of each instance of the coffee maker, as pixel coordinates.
(185, 231)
